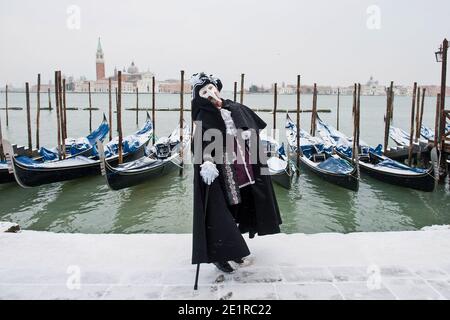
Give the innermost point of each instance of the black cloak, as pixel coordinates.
(216, 235)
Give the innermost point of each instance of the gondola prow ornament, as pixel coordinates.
(233, 194)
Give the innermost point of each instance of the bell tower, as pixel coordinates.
(100, 62)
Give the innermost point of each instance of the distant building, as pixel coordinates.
(325, 90)
(141, 81)
(132, 79)
(145, 83)
(259, 89)
(44, 88)
(435, 90)
(102, 86)
(372, 88)
(173, 86)
(287, 89)
(100, 62)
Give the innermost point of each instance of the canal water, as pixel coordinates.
(164, 205)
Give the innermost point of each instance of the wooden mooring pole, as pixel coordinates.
(119, 115)
(181, 120)
(30, 143)
(2, 153)
(354, 100)
(417, 130)
(90, 107)
(442, 116)
(49, 99)
(391, 109)
(242, 88)
(38, 111)
(411, 132)
(354, 108)
(338, 111)
(314, 112)
(61, 113)
(153, 109)
(392, 105)
(6, 105)
(137, 106)
(64, 108)
(358, 113)
(275, 104)
(357, 121)
(437, 119)
(58, 120)
(388, 116)
(299, 149)
(421, 113)
(235, 91)
(110, 113)
(116, 94)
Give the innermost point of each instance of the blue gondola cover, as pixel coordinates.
(337, 165)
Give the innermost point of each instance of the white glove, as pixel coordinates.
(209, 172)
(246, 134)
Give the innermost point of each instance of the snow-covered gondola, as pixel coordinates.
(376, 165)
(31, 173)
(280, 168)
(428, 133)
(401, 138)
(163, 158)
(84, 146)
(317, 156)
(423, 146)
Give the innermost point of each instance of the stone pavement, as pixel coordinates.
(251, 283)
(39, 265)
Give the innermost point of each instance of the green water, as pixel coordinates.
(165, 205)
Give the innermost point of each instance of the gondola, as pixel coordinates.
(317, 157)
(31, 173)
(5, 176)
(280, 168)
(400, 152)
(163, 158)
(378, 166)
(401, 137)
(83, 146)
(428, 133)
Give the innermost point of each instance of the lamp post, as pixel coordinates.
(441, 56)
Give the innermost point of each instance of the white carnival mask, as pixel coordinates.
(210, 92)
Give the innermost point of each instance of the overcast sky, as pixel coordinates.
(328, 42)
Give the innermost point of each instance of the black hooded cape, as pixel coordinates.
(216, 235)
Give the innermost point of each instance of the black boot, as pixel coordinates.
(224, 267)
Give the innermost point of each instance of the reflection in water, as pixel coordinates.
(163, 206)
(323, 207)
(79, 207)
(23, 206)
(398, 208)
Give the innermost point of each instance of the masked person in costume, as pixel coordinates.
(232, 193)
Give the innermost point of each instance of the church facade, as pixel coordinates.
(132, 79)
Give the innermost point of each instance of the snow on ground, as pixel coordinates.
(9, 227)
(390, 265)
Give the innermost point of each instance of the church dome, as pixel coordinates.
(133, 69)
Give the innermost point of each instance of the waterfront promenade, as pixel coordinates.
(388, 265)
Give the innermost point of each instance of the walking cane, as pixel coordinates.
(198, 265)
